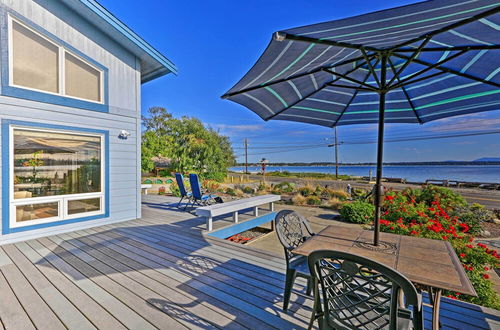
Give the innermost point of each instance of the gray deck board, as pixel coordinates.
(160, 272)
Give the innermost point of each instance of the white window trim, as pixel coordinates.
(61, 199)
(61, 58)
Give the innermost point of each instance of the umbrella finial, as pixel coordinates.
(279, 36)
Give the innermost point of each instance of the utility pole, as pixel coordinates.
(336, 155)
(246, 156)
(336, 145)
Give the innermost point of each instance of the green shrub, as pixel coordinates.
(337, 193)
(174, 190)
(357, 212)
(335, 204)
(445, 196)
(230, 191)
(285, 187)
(263, 187)
(248, 190)
(307, 190)
(313, 200)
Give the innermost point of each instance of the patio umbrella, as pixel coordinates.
(410, 64)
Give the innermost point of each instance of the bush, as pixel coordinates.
(298, 199)
(313, 200)
(248, 190)
(285, 187)
(263, 187)
(306, 190)
(174, 190)
(473, 215)
(358, 212)
(238, 192)
(447, 198)
(230, 191)
(337, 193)
(211, 185)
(335, 203)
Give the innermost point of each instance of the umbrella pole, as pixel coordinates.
(379, 189)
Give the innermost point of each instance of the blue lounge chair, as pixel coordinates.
(179, 178)
(198, 197)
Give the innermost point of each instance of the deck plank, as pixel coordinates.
(196, 300)
(94, 312)
(70, 316)
(12, 313)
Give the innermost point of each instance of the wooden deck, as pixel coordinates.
(159, 272)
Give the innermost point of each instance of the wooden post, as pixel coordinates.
(235, 217)
(271, 206)
(256, 211)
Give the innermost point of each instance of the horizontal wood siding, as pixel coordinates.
(124, 103)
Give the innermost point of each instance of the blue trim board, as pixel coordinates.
(242, 226)
(6, 175)
(40, 96)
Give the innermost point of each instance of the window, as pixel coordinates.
(39, 64)
(56, 175)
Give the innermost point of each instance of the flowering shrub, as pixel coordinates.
(419, 213)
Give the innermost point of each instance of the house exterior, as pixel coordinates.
(70, 100)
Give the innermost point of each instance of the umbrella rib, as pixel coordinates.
(311, 40)
(405, 92)
(372, 69)
(448, 70)
(408, 62)
(352, 98)
(430, 67)
(312, 93)
(449, 27)
(270, 83)
(451, 48)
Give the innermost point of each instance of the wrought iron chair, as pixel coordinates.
(358, 293)
(292, 230)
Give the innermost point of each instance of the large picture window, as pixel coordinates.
(39, 64)
(56, 175)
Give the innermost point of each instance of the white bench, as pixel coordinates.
(145, 188)
(208, 212)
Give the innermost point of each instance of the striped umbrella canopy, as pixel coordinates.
(410, 64)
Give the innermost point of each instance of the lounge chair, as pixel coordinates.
(184, 193)
(198, 198)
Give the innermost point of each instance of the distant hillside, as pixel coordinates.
(488, 159)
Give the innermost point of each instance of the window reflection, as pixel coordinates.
(51, 164)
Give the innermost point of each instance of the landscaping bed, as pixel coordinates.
(249, 235)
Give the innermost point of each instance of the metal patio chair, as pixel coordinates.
(352, 292)
(292, 230)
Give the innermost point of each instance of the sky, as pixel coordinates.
(214, 43)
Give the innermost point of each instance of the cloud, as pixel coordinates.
(467, 123)
(238, 129)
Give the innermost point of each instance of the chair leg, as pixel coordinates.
(309, 286)
(179, 204)
(290, 279)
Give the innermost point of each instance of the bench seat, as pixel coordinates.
(208, 212)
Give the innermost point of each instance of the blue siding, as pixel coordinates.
(28, 94)
(6, 175)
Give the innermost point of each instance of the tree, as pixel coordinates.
(190, 145)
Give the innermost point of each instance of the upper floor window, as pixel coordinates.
(38, 63)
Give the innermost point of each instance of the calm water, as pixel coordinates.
(470, 173)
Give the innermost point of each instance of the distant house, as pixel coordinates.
(70, 101)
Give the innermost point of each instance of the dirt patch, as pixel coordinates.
(492, 228)
(249, 235)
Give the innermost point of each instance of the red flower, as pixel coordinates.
(486, 276)
(392, 228)
(413, 232)
(445, 237)
(462, 255)
(389, 197)
(486, 268)
(469, 246)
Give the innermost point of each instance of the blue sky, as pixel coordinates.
(214, 43)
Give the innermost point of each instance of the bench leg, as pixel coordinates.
(271, 206)
(235, 217)
(256, 211)
(209, 223)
